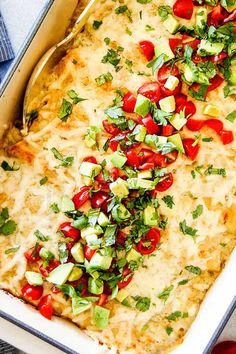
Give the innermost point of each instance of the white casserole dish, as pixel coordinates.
(220, 300)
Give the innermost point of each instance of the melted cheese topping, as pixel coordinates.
(29, 202)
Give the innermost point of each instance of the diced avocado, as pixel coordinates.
(150, 216)
(142, 106)
(188, 73)
(45, 254)
(201, 19)
(133, 255)
(90, 169)
(78, 306)
(164, 48)
(96, 230)
(66, 204)
(95, 275)
(229, 5)
(139, 183)
(167, 104)
(171, 24)
(120, 188)
(171, 83)
(80, 223)
(76, 274)
(100, 261)
(120, 213)
(212, 111)
(155, 141)
(34, 278)
(90, 138)
(232, 49)
(77, 252)
(60, 274)
(103, 219)
(118, 159)
(87, 181)
(232, 78)
(122, 294)
(101, 317)
(95, 286)
(145, 174)
(140, 132)
(177, 141)
(177, 121)
(89, 142)
(207, 48)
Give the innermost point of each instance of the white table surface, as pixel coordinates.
(19, 16)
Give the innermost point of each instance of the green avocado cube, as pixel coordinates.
(119, 188)
(150, 216)
(140, 183)
(122, 295)
(133, 255)
(142, 106)
(100, 261)
(206, 48)
(167, 104)
(95, 286)
(177, 141)
(90, 169)
(34, 278)
(177, 121)
(118, 159)
(145, 174)
(96, 230)
(120, 213)
(201, 19)
(101, 317)
(164, 48)
(103, 219)
(77, 252)
(60, 274)
(140, 132)
(171, 24)
(76, 274)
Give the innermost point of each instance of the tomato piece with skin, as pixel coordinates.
(165, 184)
(198, 59)
(192, 42)
(127, 278)
(46, 270)
(129, 101)
(88, 253)
(146, 166)
(214, 124)
(102, 299)
(114, 173)
(195, 124)
(153, 237)
(165, 71)
(188, 108)
(219, 57)
(226, 347)
(226, 136)
(180, 99)
(69, 231)
(32, 255)
(231, 17)
(171, 157)
(150, 125)
(81, 197)
(190, 150)
(121, 237)
(215, 82)
(110, 128)
(147, 49)
(151, 90)
(113, 144)
(217, 16)
(91, 159)
(32, 292)
(167, 130)
(45, 306)
(183, 9)
(98, 199)
(174, 44)
(166, 92)
(132, 158)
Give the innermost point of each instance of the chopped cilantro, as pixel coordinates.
(7, 226)
(177, 314)
(102, 79)
(128, 31)
(12, 250)
(183, 282)
(6, 167)
(43, 180)
(193, 269)
(169, 201)
(107, 40)
(215, 171)
(40, 236)
(54, 207)
(65, 161)
(74, 61)
(143, 2)
(231, 116)
(31, 116)
(149, 28)
(65, 110)
(169, 330)
(112, 57)
(164, 11)
(123, 9)
(142, 303)
(96, 24)
(164, 295)
(187, 230)
(129, 64)
(198, 211)
(74, 96)
(207, 140)
(63, 252)
(155, 64)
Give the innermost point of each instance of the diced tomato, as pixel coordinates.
(231, 17)
(214, 124)
(81, 285)
(188, 108)
(198, 59)
(192, 42)
(166, 92)
(113, 144)
(165, 71)
(219, 57)
(98, 199)
(46, 270)
(159, 160)
(55, 290)
(194, 124)
(32, 254)
(147, 49)
(151, 126)
(69, 231)
(88, 253)
(145, 154)
(180, 99)
(152, 238)
(216, 17)
(32, 292)
(174, 44)
(132, 158)
(171, 157)
(226, 347)
(110, 128)
(127, 277)
(226, 136)
(45, 306)
(114, 173)
(183, 9)
(91, 159)
(121, 237)
(215, 82)
(151, 90)
(102, 299)
(129, 101)
(147, 166)
(81, 197)
(190, 150)
(167, 130)
(100, 179)
(165, 184)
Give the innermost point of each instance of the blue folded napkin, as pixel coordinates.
(6, 51)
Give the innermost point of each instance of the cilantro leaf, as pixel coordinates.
(169, 201)
(6, 167)
(169, 330)
(198, 211)
(165, 293)
(66, 161)
(193, 269)
(40, 236)
(103, 78)
(187, 230)
(74, 96)
(8, 228)
(96, 24)
(43, 180)
(177, 314)
(65, 110)
(155, 64)
(231, 116)
(142, 303)
(164, 11)
(12, 250)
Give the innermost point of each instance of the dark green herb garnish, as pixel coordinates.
(142, 303)
(187, 230)
(193, 269)
(197, 212)
(65, 161)
(96, 24)
(177, 314)
(102, 79)
(43, 180)
(12, 250)
(169, 201)
(6, 167)
(164, 295)
(40, 236)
